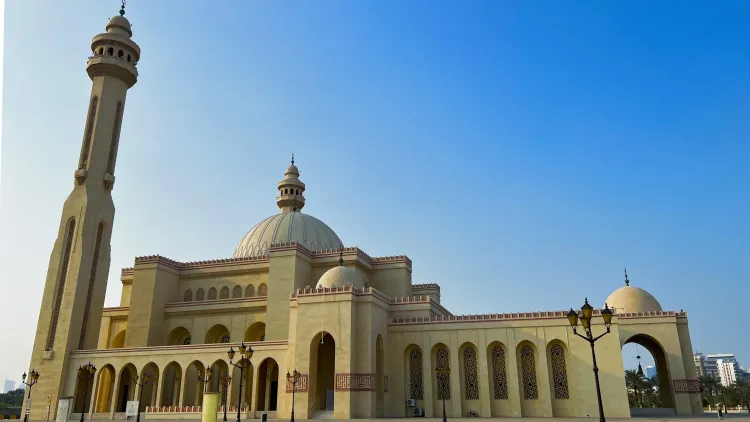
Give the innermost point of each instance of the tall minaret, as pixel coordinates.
(73, 298)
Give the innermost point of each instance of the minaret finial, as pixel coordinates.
(341, 255)
(292, 158)
(627, 282)
(122, 8)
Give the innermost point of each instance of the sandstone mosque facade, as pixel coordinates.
(365, 340)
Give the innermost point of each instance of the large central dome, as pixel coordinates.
(290, 225)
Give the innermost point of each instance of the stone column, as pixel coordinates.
(483, 377)
(160, 387)
(455, 377)
(513, 381)
(115, 398)
(183, 387)
(427, 375)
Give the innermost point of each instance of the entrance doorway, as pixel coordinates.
(322, 370)
(647, 377)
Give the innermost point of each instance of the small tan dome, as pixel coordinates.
(120, 25)
(341, 276)
(632, 299)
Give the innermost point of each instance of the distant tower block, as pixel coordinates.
(70, 316)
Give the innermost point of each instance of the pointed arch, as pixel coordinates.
(250, 291)
(263, 290)
(90, 290)
(194, 385)
(179, 336)
(86, 147)
(224, 293)
(212, 293)
(188, 296)
(115, 139)
(171, 384)
(118, 341)
(498, 370)
(217, 334)
(256, 332)
(414, 363)
(105, 389)
(527, 371)
(469, 372)
(150, 385)
(126, 387)
(200, 294)
(237, 292)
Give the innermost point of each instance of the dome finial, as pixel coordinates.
(627, 282)
(292, 158)
(122, 8)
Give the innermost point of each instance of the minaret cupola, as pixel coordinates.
(291, 190)
(114, 53)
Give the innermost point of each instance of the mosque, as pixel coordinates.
(364, 339)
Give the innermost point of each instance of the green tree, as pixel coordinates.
(709, 387)
(12, 398)
(636, 383)
(742, 392)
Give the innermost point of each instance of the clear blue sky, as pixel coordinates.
(520, 152)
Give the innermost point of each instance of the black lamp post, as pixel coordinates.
(587, 312)
(205, 379)
(85, 373)
(33, 379)
(293, 378)
(246, 352)
(144, 380)
(224, 380)
(443, 372)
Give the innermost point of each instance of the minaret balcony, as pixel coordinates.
(112, 66)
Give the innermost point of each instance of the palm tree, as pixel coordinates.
(653, 385)
(709, 386)
(742, 388)
(635, 382)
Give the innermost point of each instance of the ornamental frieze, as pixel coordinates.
(687, 386)
(301, 384)
(355, 382)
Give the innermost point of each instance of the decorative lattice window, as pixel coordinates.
(528, 370)
(200, 295)
(559, 373)
(237, 291)
(71, 226)
(86, 147)
(186, 340)
(224, 293)
(250, 291)
(415, 374)
(212, 293)
(115, 139)
(499, 375)
(471, 379)
(263, 290)
(442, 361)
(224, 338)
(188, 297)
(90, 291)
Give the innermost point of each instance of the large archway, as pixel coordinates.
(219, 370)
(247, 384)
(170, 388)
(126, 387)
(150, 385)
(217, 334)
(322, 372)
(256, 332)
(104, 388)
(179, 336)
(268, 385)
(84, 388)
(194, 384)
(649, 387)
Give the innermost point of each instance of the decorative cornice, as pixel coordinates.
(521, 316)
(183, 348)
(116, 309)
(212, 263)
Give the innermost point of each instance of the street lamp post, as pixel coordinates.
(205, 379)
(443, 372)
(293, 377)
(33, 379)
(224, 380)
(85, 373)
(144, 380)
(246, 352)
(587, 312)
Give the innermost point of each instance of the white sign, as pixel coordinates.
(63, 409)
(131, 409)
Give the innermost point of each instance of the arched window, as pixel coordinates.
(224, 293)
(115, 139)
(86, 147)
(415, 374)
(471, 378)
(263, 290)
(237, 291)
(69, 232)
(212, 293)
(110, 51)
(101, 51)
(442, 360)
(200, 295)
(90, 291)
(559, 372)
(499, 374)
(250, 291)
(120, 53)
(129, 58)
(286, 191)
(528, 369)
(188, 296)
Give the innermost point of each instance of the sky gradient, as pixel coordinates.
(519, 152)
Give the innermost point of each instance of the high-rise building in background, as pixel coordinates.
(9, 385)
(650, 371)
(723, 366)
